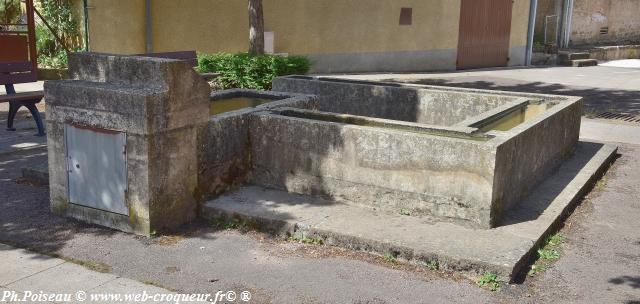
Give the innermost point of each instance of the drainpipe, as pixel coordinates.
(567, 16)
(148, 27)
(85, 6)
(532, 27)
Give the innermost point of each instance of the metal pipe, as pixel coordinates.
(567, 16)
(148, 27)
(532, 27)
(86, 24)
(569, 21)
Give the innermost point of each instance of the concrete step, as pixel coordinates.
(574, 55)
(567, 58)
(584, 62)
(504, 250)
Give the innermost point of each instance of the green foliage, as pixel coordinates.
(10, 11)
(489, 280)
(538, 45)
(433, 265)
(307, 240)
(390, 258)
(547, 254)
(405, 212)
(554, 240)
(240, 224)
(61, 17)
(242, 70)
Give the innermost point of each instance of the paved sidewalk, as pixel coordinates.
(24, 272)
(601, 130)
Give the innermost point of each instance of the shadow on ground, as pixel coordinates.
(27, 222)
(595, 100)
(632, 281)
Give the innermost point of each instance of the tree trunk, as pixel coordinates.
(256, 28)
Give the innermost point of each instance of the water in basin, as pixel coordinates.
(232, 104)
(516, 117)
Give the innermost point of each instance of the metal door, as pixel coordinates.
(96, 166)
(485, 26)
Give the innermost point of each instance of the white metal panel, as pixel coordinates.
(96, 165)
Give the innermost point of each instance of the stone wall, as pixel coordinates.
(619, 16)
(379, 167)
(224, 153)
(531, 152)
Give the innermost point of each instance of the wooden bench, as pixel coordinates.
(18, 64)
(24, 99)
(20, 72)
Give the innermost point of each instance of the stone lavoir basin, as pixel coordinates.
(447, 153)
(446, 159)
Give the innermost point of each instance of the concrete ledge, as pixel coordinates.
(615, 52)
(505, 250)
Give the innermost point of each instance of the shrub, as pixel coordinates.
(62, 18)
(242, 70)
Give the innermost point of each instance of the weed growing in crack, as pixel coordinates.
(432, 265)
(547, 254)
(489, 280)
(390, 258)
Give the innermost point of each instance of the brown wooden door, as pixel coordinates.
(485, 26)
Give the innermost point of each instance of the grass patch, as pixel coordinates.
(390, 258)
(489, 280)
(306, 240)
(405, 212)
(92, 265)
(547, 254)
(601, 183)
(432, 265)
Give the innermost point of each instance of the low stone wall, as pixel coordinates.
(434, 107)
(374, 166)
(606, 53)
(529, 153)
(224, 158)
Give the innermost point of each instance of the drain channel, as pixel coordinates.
(616, 116)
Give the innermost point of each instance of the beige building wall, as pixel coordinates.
(207, 26)
(116, 26)
(622, 17)
(338, 35)
(360, 35)
(519, 32)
